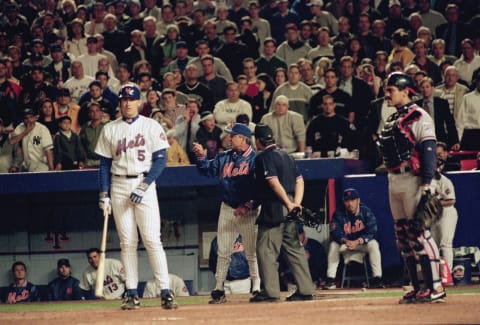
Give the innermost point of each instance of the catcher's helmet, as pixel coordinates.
(402, 81)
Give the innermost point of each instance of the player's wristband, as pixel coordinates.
(103, 195)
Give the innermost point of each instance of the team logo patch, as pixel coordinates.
(129, 91)
(163, 136)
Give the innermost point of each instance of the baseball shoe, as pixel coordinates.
(377, 283)
(329, 284)
(262, 297)
(409, 297)
(218, 297)
(130, 302)
(430, 296)
(168, 301)
(297, 296)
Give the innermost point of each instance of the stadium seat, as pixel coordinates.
(468, 164)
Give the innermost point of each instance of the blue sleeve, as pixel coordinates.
(428, 159)
(104, 174)
(370, 225)
(209, 167)
(159, 162)
(336, 228)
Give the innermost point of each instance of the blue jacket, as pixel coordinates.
(238, 269)
(235, 171)
(344, 226)
(64, 289)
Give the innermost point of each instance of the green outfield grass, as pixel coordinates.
(200, 300)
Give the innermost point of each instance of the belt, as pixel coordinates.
(402, 170)
(130, 176)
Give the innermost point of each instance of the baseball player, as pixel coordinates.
(176, 283)
(113, 282)
(443, 230)
(408, 145)
(234, 167)
(64, 286)
(133, 155)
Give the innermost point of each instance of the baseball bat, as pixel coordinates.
(101, 262)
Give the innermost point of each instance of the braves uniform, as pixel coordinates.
(235, 171)
(113, 283)
(443, 230)
(408, 145)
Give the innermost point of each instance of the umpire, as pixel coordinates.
(280, 189)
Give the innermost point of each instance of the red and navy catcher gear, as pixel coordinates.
(402, 81)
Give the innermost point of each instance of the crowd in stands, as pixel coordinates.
(310, 69)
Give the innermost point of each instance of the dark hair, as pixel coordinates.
(101, 73)
(269, 83)
(91, 250)
(18, 263)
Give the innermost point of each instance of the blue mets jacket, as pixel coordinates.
(363, 225)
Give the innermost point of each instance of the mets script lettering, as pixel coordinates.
(13, 297)
(123, 145)
(230, 170)
(348, 228)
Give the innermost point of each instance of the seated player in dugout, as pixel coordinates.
(353, 229)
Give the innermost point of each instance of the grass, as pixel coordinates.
(198, 300)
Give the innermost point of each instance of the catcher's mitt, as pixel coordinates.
(428, 211)
(306, 217)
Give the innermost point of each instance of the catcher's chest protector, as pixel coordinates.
(397, 142)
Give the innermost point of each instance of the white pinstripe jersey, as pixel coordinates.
(131, 145)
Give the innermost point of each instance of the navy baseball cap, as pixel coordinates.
(181, 44)
(350, 194)
(56, 48)
(240, 129)
(129, 91)
(28, 111)
(263, 131)
(62, 262)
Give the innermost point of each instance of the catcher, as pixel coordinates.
(408, 146)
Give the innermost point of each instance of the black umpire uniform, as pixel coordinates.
(274, 234)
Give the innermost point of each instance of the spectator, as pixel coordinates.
(21, 290)
(95, 24)
(115, 39)
(36, 143)
(110, 64)
(113, 282)
(90, 59)
(214, 82)
(186, 127)
(438, 55)
(8, 98)
(439, 110)
(299, 93)
(468, 118)
(176, 284)
(238, 276)
(353, 229)
(170, 106)
(59, 69)
(65, 106)
(288, 127)
(260, 25)
(329, 131)
(215, 43)
(269, 62)
(396, 19)
(209, 135)
(123, 75)
(95, 94)
(250, 70)
(421, 60)
(65, 286)
(47, 117)
(36, 88)
(226, 110)
(308, 75)
(443, 229)
(280, 19)
(68, 151)
(468, 62)
(400, 51)
(323, 17)
(292, 49)
(10, 154)
(202, 49)
(168, 18)
(152, 102)
(367, 74)
(355, 50)
(90, 133)
(446, 162)
(378, 30)
(136, 17)
(181, 58)
(344, 32)
(249, 37)
(37, 52)
(262, 101)
(324, 48)
(193, 88)
(78, 83)
(306, 33)
(176, 155)
(370, 43)
(135, 51)
(452, 90)
(431, 18)
(232, 49)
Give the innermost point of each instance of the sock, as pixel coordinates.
(164, 292)
(132, 292)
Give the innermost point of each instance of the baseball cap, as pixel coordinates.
(263, 131)
(92, 39)
(56, 48)
(291, 26)
(392, 3)
(350, 194)
(206, 115)
(36, 57)
(64, 92)
(28, 111)
(240, 129)
(316, 3)
(281, 99)
(181, 44)
(129, 91)
(62, 262)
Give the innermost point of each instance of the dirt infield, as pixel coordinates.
(337, 307)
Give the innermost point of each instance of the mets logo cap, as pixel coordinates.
(350, 194)
(129, 91)
(240, 129)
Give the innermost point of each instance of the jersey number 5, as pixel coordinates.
(141, 155)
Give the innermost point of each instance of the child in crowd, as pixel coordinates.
(68, 151)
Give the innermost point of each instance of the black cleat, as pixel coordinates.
(218, 297)
(168, 301)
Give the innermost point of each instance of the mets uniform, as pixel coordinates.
(131, 145)
(235, 171)
(113, 283)
(177, 285)
(443, 230)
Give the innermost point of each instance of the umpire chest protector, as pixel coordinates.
(396, 141)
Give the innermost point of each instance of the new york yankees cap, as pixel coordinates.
(129, 91)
